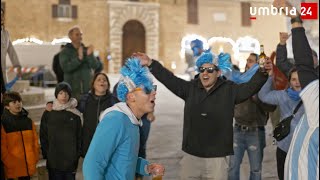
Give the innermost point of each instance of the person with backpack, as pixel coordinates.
(92, 104)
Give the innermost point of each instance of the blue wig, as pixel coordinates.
(206, 58)
(223, 61)
(133, 75)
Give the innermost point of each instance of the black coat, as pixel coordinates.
(208, 116)
(60, 137)
(91, 106)
(56, 67)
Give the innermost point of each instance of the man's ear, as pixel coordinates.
(219, 73)
(130, 97)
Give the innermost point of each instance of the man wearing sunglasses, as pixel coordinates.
(208, 114)
(113, 151)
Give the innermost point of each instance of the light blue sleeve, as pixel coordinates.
(105, 141)
(142, 167)
(267, 95)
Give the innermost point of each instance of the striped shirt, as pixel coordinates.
(302, 160)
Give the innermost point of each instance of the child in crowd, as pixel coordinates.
(60, 135)
(19, 139)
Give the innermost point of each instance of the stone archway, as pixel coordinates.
(120, 12)
(133, 39)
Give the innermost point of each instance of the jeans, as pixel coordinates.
(197, 168)
(61, 175)
(252, 141)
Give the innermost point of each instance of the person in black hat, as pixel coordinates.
(60, 134)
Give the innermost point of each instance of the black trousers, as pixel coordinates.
(61, 175)
(281, 159)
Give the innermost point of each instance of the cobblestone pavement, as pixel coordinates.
(164, 144)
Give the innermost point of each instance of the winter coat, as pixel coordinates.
(56, 67)
(19, 144)
(286, 106)
(91, 106)
(60, 137)
(253, 112)
(78, 73)
(208, 116)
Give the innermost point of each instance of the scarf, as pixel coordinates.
(294, 95)
(69, 106)
(239, 78)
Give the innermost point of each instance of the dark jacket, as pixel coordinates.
(91, 106)
(283, 63)
(78, 73)
(56, 67)
(19, 144)
(60, 137)
(253, 112)
(208, 116)
(303, 57)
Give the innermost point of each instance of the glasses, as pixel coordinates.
(147, 90)
(208, 69)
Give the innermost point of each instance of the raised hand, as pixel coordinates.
(80, 53)
(144, 59)
(268, 66)
(90, 50)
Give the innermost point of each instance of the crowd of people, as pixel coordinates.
(225, 114)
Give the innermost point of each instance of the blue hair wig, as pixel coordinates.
(224, 62)
(133, 75)
(205, 58)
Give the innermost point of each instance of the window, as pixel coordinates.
(193, 11)
(64, 10)
(245, 14)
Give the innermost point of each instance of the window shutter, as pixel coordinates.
(54, 10)
(64, 1)
(74, 12)
(193, 11)
(245, 14)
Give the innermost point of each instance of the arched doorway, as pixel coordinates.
(133, 39)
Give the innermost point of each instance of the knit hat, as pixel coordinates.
(133, 75)
(62, 86)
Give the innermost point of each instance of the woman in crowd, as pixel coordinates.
(287, 100)
(92, 104)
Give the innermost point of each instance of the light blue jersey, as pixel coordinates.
(113, 152)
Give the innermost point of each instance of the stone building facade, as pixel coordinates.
(156, 27)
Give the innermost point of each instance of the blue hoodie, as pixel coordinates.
(113, 152)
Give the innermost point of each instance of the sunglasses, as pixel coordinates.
(147, 90)
(208, 69)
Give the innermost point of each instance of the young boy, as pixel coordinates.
(19, 145)
(60, 135)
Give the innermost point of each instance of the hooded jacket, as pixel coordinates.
(60, 137)
(19, 144)
(208, 116)
(113, 152)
